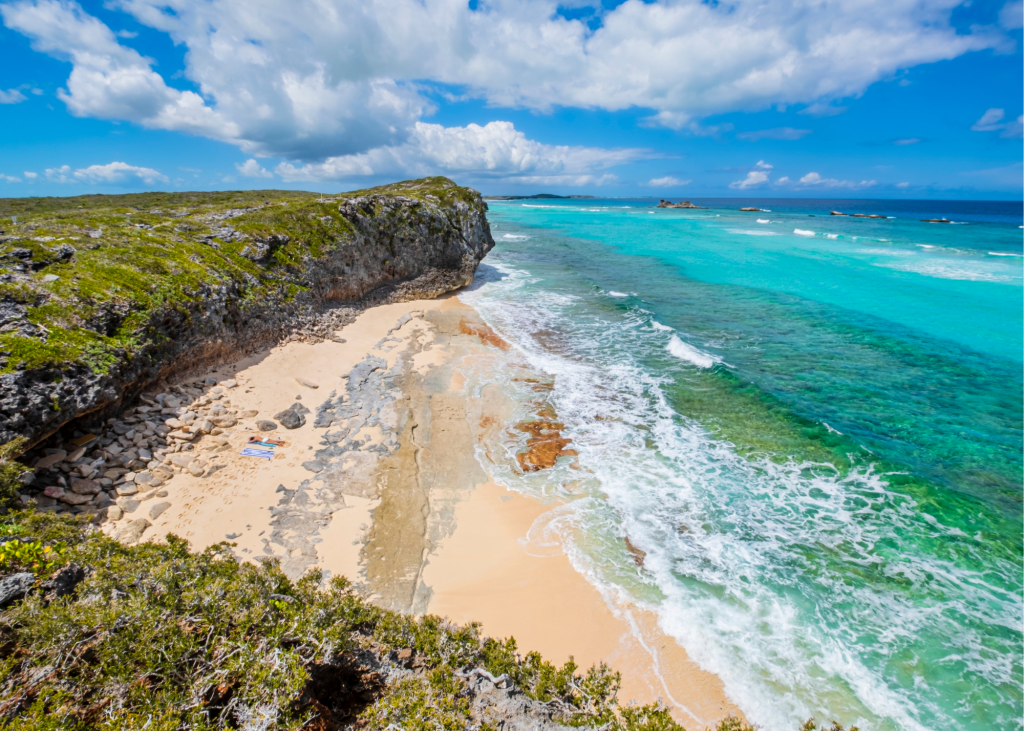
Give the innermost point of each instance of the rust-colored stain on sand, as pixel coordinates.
(483, 332)
(545, 445)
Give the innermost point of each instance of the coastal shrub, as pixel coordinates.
(10, 470)
(157, 636)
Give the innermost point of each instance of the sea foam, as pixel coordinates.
(802, 232)
(685, 351)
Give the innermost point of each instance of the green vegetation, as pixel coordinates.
(96, 275)
(10, 470)
(159, 637)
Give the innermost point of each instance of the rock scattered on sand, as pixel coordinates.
(307, 383)
(157, 510)
(292, 417)
(544, 446)
(132, 531)
(266, 425)
(313, 466)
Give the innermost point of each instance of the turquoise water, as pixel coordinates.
(812, 427)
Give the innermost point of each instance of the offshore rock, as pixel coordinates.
(682, 204)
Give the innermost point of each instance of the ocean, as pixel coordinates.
(811, 426)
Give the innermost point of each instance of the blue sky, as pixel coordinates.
(755, 98)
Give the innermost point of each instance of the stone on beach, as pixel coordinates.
(133, 531)
(307, 383)
(291, 418)
(313, 466)
(50, 460)
(157, 510)
(85, 487)
(266, 425)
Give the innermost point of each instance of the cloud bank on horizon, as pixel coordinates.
(342, 90)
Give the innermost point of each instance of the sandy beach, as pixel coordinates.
(386, 483)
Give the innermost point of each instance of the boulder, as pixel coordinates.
(74, 498)
(85, 487)
(266, 425)
(54, 492)
(15, 587)
(114, 512)
(50, 460)
(133, 531)
(155, 511)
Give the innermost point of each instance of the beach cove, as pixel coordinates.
(402, 503)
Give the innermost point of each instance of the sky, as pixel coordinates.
(666, 98)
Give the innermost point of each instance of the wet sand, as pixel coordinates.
(384, 484)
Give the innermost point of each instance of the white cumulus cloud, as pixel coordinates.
(494, 150)
(318, 80)
(114, 172)
(667, 182)
(30, 175)
(754, 178)
(11, 96)
(10, 178)
(778, 133)
(252, 169)
(991, 120)
(814, 180)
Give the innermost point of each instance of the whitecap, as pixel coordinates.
(926, 246)
(833, 236)
(763, 220)
(802, 232)
(1003, 253)
(515, 237)
(751, 233)
(658, 326)
(617, 294)
(687, 352)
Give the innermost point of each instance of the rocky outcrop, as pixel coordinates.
(857, 215)
(283, 269)
(751, 209)
(682, 204)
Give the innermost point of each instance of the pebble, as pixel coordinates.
(307, 383)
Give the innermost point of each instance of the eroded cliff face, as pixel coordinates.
(96, 304)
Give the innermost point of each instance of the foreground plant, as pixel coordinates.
(160, 637)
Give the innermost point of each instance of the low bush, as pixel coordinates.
(159, 637)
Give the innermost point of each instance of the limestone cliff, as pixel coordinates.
(102, 295)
